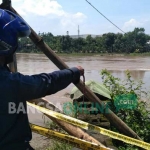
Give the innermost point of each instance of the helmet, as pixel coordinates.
(11, 27)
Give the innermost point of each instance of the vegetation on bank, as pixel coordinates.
(137, 119)
(131, 42)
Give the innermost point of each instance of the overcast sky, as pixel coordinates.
(60, 16)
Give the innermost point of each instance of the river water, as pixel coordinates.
(139, 67)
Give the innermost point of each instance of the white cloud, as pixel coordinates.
(48, 11)
(70, 22)
(38, 7)
(43, 7)
(72, 19)
(131, 24)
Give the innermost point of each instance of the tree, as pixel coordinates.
(109, 40)
(99, 44)
(91, 44)
(133, 41)
(118, 43)
(66, 43)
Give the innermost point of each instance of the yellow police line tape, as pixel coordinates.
(79, 143)
(88, 126)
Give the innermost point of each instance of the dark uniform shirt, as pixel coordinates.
(16, 88)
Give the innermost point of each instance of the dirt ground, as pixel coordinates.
(40, 142)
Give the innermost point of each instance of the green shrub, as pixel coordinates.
(59, 146)
(138, 119)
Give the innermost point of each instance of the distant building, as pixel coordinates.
(84, 36)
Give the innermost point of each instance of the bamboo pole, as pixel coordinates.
(114, 120)
(13, 65)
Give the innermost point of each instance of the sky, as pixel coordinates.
(60, 16)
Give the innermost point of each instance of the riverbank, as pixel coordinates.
(95, 54)
(103, 54)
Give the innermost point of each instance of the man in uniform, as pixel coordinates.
(15, 132)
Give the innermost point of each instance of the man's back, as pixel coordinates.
(15, 90)
(14, 127)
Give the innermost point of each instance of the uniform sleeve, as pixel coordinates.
(40, 85)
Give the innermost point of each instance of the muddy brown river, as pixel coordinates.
(117, 65)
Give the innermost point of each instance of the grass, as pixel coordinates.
(138, 54)
(59, 146)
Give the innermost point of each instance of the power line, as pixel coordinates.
(105, 16)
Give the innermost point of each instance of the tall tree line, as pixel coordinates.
(135, 41)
